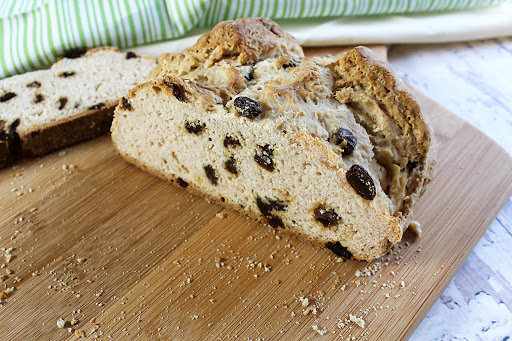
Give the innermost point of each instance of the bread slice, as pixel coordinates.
(333, 149)
(74, 100)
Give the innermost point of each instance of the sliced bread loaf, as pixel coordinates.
(45, 110)
(334, 149)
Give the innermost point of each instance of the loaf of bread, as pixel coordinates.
(74, 100)
(333, 149)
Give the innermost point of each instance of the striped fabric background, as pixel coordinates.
(33, 33)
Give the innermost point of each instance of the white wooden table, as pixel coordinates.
(474, 80)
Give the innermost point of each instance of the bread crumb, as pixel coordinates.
(318, 330)
(81, 260)
(220, 215)
(73, 321)
(357, 320)
(6, 292)
(79, 333)
(309, 310)
(304, 301)
(61, 323)
(415, 228)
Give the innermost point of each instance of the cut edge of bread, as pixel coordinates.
(62, 132)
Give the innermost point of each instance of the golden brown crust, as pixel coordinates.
(394, 119)
(243, 42)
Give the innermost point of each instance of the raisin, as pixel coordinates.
(34, 84)
(361, 182)
(211, 174)
(11, 137)
(125, 104)
(326, 217)
(13, 126)
(130, 55)
(275, 221)
(247, 107)
(39, 98)
(62, 102)
(267, 207)
(270, 27)
(194, 127)
(231, 165)
(96, 106)
(7, 96)
(346, 139)
(176, 91)
(289, 64)
(77, 53)
(266, 159)
(249, 76)
(230, 141)
(339, 250)
(182, 182)
(411, 165)
(67, 74)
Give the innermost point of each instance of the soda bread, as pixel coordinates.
(45, 110)
(334, 149)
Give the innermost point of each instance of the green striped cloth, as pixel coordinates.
(33, 33)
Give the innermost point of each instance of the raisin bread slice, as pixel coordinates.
(334, 149)
(74, 100)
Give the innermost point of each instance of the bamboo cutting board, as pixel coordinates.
(128, 256)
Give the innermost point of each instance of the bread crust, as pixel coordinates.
(87, 125)
(240, 42)
(379, 82)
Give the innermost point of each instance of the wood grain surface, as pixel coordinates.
(128, 256)
(472, 79)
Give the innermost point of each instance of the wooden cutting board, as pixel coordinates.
(132, 257)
